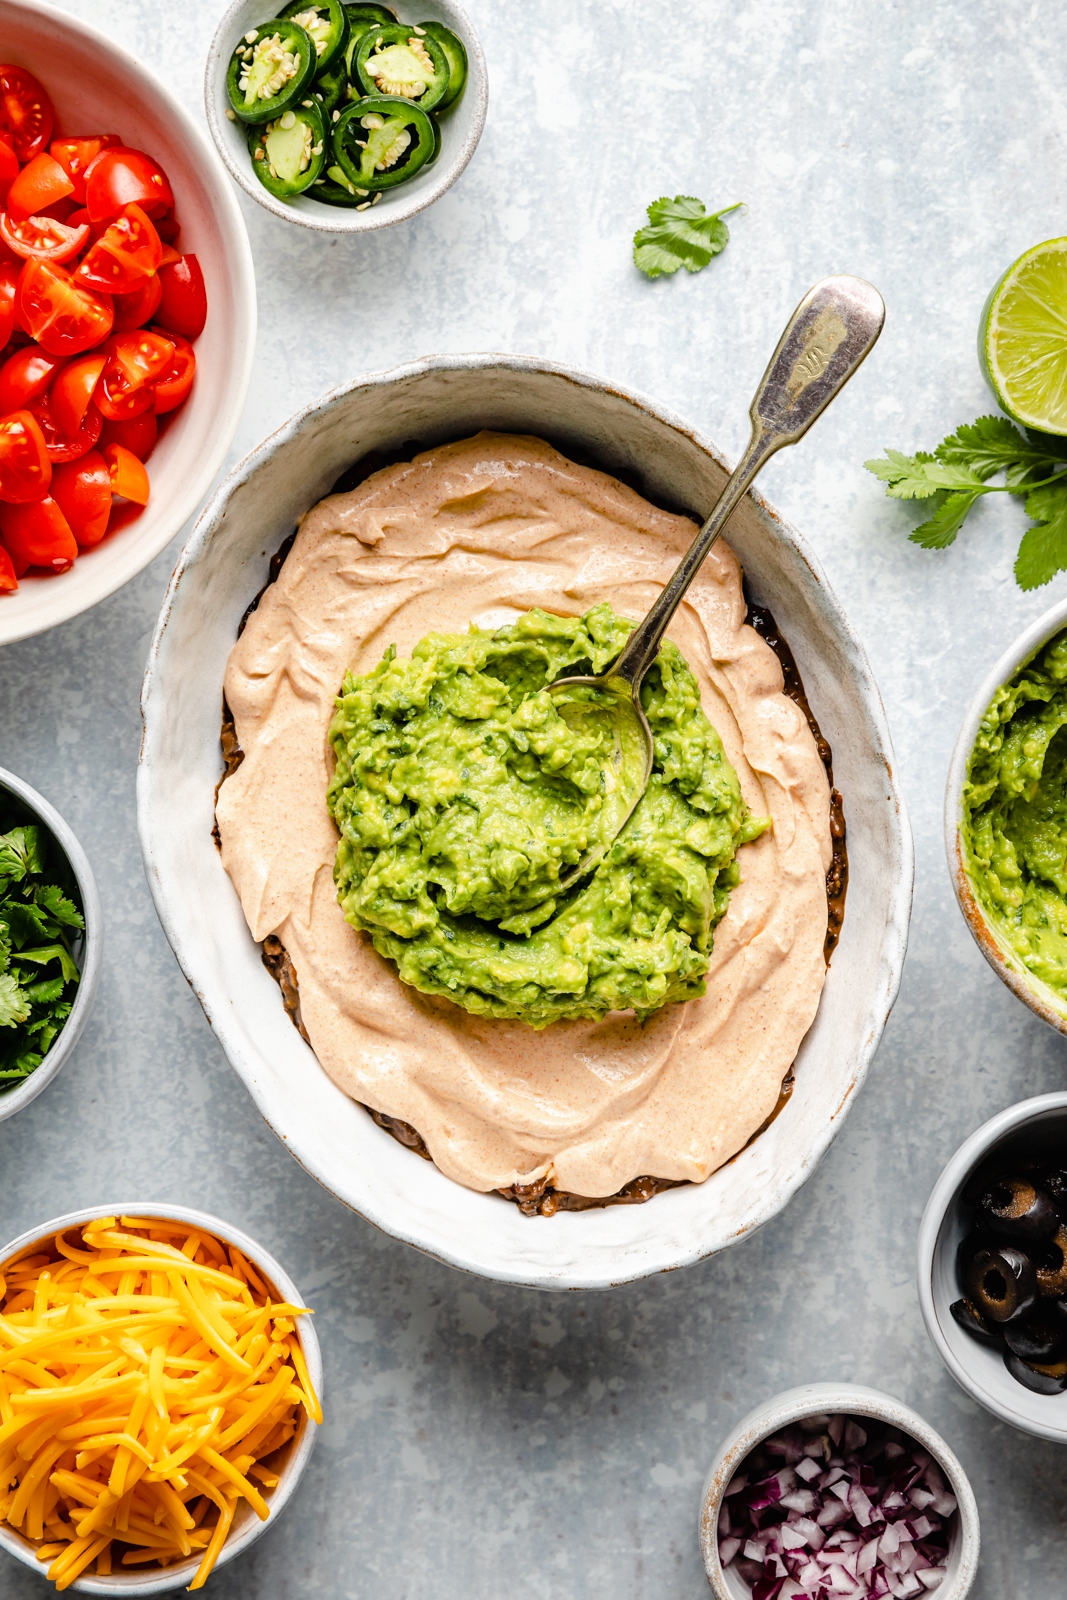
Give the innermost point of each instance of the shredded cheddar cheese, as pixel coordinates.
(147, 1378)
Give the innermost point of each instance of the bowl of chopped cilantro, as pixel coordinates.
(50, 943)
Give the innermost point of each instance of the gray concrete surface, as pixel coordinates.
(485, 1441)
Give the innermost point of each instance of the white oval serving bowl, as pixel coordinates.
(1028, 988)
(979, 1371)
(855, 1400)
(97, 86)
(247, 1527)
(223, 566)
(461, 126)
(89, 956)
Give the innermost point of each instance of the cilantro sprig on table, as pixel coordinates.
(680, 233)
(38, 975)
(957, 475)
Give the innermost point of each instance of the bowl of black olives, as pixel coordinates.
(993, 1266)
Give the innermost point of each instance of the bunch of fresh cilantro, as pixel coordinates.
(38, 976)
(958, 474)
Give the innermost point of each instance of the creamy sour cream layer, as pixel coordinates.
(483, 530)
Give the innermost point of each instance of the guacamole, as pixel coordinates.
(463, 793)
(1014, 828)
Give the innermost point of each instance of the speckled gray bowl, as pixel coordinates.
(979, 1371)
(1050, 1006)
(88, 950)
(461, 126)
(222, 567)
(247, 1527)
(855, 1400)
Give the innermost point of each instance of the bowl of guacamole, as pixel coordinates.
(1006, 818)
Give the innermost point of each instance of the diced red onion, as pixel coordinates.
(858, 1512)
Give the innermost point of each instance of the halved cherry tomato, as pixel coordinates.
(128, 476)
(73, 388)
(8, 581)
(124, 256)
(42, 238)
(134, 310)
(167, 228)
(63, 316)
(135, 361)
(63, 446)
(76, 155)
(119, 177)
(41, 183)
(26, 114)
(25, 470)
(184, 303)
(82, 491)
(25, 376)
(38, 535)
(138, 434)
(9, 282)
(9, 166)
(173, 385)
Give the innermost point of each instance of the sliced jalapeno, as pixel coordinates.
(402, 61)
(269, 70)
(382, 141)
(329, 87)
(334, 189)
(290, 153)
(456, 55)
(362, 17)
(327, 23)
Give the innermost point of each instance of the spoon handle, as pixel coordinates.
(825, 340)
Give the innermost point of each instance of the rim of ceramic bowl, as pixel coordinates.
(307, 213)
(1028, 988)
(593, 1253)
(177, 1576)
(856, 1400)
(147, 544)
(13, 1100)
(938, 1212)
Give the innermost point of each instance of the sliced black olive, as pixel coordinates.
(1013, 1208)
(1056, 1184)
(980, 1180)
(1050, 1261)
(972, 1322)
(1001, 1283)
(1051, 1381)
(1041, 1337)
(966, 1251)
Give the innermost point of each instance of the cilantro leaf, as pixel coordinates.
(941, 529)
(1043, 551)
(957, 474)
(919, 476)
(54, 900)
(20, 853)
(14, 1002)
(680, 234)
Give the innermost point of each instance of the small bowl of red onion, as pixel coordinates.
(832, 1491)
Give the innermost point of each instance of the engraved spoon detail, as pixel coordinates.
(824, 342)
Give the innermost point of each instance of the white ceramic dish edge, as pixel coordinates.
(1052, 1008)
(397, 205)
(543, 1261)
(98, 573)
(965, 1359)
(132, 1583)
(13, 1100)
(857, 1400)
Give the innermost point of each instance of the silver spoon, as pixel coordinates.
(825, 340)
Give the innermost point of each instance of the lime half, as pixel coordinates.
(1022, 338)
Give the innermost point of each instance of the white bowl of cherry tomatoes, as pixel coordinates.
(127, 317)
